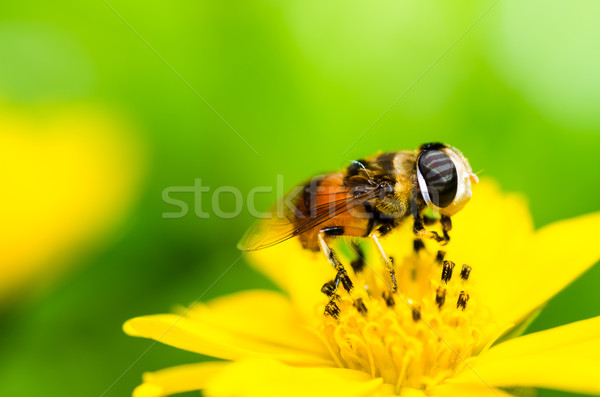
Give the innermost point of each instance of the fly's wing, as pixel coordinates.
(303, 209)
(277, 224)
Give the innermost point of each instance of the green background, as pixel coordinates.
(300, 81)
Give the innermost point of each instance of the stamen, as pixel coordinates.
(447, 271)
(416, 314)
(440, 297)
(465, 272)
(367, 331)
(360, 306)
(463, 298)
(388, 298)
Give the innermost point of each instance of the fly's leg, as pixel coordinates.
(419, 220)
(446, 226)
(428, 220)
(341, 277)
(388, 261)
(420, 231)
(357, 264)
(341, 273)
(418, 245)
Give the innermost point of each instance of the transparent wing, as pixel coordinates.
(300, 211)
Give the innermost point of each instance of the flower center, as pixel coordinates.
(415, 337)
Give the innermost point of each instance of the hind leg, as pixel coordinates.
(341, 277)
(341, 273)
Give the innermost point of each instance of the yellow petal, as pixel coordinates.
(179, 379)
(299, 272)
(494, 227)
(543, 341)
(266, 328)
(556, 255)
(269, 378)
(453, 389)
(259, 315)
(564, 358)
(407, 392)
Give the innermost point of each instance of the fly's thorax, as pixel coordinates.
(398, 171)
(396, 202)
(396, 165)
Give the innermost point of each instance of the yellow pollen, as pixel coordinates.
(416, 337)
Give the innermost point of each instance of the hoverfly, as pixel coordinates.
(368, 200)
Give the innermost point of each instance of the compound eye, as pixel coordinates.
(440, 176)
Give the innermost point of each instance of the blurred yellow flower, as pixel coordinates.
(432, 338)
(68, 174)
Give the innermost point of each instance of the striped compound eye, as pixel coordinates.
(438, 178)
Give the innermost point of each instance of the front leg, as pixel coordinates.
(446, 226)
(418, 244)
(420, 231)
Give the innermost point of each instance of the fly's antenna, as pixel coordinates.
(361, 165)
(358, 165)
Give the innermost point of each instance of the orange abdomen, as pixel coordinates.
(330, 192)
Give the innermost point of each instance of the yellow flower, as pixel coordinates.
(70, 173)
(432, 338)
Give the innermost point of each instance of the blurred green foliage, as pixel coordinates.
(300, 81)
